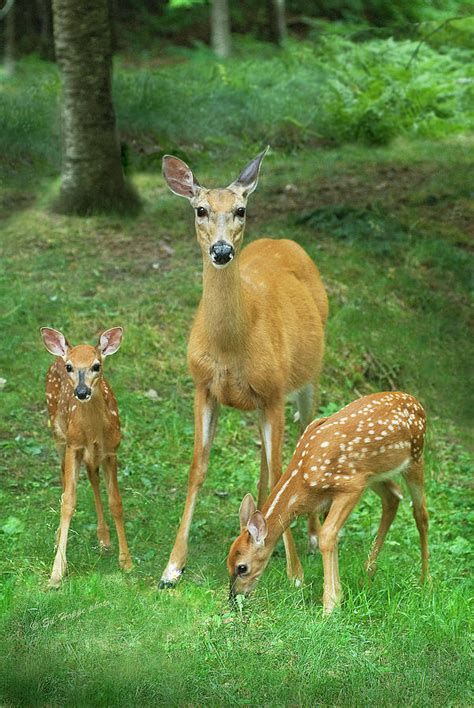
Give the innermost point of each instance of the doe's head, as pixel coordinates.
(219, 213)
(248, 555)
(83, 363)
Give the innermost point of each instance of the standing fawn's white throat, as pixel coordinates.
(86, 428)
(365, 444)
(258, 335)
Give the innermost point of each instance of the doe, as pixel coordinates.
(86, 427)
(258, 335)
(363, 445)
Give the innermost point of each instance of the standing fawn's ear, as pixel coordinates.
(55, 342)
(179, 177)
(247, 508)
(110, 341)
(257, 528)
(246, 182)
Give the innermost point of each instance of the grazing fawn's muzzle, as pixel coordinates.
(221, 252)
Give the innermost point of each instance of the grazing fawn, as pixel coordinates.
(86, 427)
(258, 335)
(363, 445)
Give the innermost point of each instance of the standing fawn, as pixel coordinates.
(363, 445)
(258, 335)
(86, 427)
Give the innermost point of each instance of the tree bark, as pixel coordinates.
(92, 174)
(46, 44)
(10, 40)
(220, 28)
(276, 11)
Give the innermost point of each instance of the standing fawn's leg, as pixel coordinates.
(102, 529)
(340, 509)
(305, 404)
(70, 473)
(414, 478)
(390, 495)
(116, 509)
(272, 428)
(206, 411)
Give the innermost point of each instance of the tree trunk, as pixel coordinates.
(46, 44)
(10, 37)
(92, 174)
(220, 28)
(276, 11)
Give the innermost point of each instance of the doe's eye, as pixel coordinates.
(200, 211)
(69, 368)
(240, 212)
(242, 569)
(95, 367)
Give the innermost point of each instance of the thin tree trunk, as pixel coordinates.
(10, 40)
(46, 43)
(276, 11)
(92, 175)
(220, 28)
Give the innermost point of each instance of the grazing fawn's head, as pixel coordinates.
(83, 364)
(248, 555)
(219, 213)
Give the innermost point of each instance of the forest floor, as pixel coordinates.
(391, 231)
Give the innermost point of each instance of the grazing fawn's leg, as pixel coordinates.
(305, 404)
(390, 494)
(272, 427)
(414, 478)
(102, 528)
(206, 411)
(340, 509)
(70, 473)
(116, 509)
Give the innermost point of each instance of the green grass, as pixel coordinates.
(391, 230)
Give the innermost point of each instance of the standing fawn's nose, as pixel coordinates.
(82, 392)
(221, 252)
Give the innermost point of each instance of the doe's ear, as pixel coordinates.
(110, 341)
(247, 181)
(257, 528)
(247, 508)
(179, 177)
(55, 342)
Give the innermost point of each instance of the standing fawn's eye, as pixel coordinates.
(200, 211)
(69, 368)
(241, 569)
(95, 367)
(240, 212)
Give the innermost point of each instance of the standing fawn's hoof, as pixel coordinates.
(104, 547)
(54, 582)
(126, 563)
(370, 568)
(170, 577)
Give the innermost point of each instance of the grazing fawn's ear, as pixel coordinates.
(110, 341)
(247, 508)
(257, 528)
(179, 177)
(55, 342)
(246, 182)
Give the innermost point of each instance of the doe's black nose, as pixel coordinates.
(221, 252)
(82, 392)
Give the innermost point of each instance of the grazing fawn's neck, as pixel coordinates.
(225, 313)
(282, 506)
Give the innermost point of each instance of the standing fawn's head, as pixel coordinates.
(220, 213)
(83, 363)
(248, 555)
